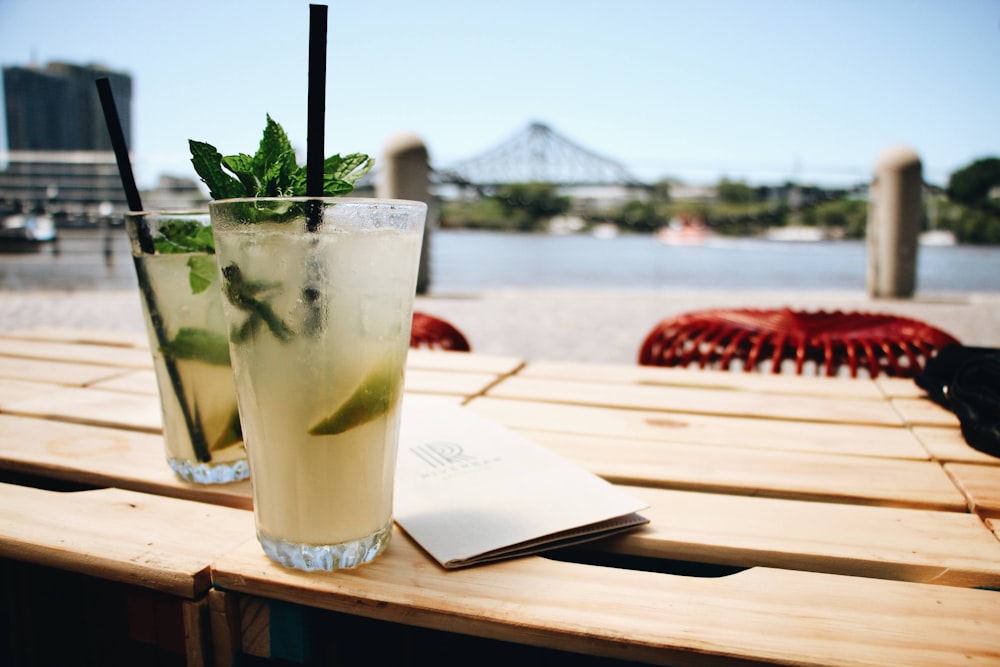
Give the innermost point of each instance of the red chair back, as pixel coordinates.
(757, 339)
(434, 333)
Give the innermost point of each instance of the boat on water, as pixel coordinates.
(604, 230)
(20, 230)
(683, 231)
(937, 237)
(797, 234)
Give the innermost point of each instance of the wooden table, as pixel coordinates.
(793, 521)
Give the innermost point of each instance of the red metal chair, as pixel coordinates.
(828, 340)
(434, 333)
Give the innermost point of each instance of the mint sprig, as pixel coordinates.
(272, 171)
(198, 345)
(252, 298)
(180, 236)
(187, 236)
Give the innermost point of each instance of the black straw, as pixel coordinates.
(118, 143)
(198, 442)
(316, 100)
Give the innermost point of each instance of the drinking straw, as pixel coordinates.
(198, 442)
(121, 156)
(118, 143)
(316, 100)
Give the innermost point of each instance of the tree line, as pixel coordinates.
(969, 207)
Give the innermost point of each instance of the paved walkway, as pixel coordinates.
(546, 324)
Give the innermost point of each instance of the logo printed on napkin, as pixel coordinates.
(443, 458)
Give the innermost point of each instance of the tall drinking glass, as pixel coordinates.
(318, 294)
(178, 280)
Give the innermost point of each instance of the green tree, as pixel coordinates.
(529, 205)
(971, 185)
(733, 192)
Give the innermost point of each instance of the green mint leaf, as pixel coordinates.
(203, 272)
(374, 396)
(251, 297)
(207, 162)
(297, 184)
(273, 148)
(272, 171)
(199, 345)
(242, 166)
(348, 168)
(277, 178)
(180, 236)
(333, 187)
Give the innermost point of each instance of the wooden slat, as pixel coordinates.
(418, 380)
(445, 382)
(759, 615)
(105, 456)
(775, 474)
(706, 379)
(899, 387)
(93, 406)
(981, 484)
(98, 456)
(948, 444)
(131, 382)
(100, 355)
(462, 362)
(14, 391)
(699, 401)
(85, 336)
(739, 432)
(160, 543)
(54, 372)
(923, 412)
(882, 542)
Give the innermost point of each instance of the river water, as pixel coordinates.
(467, 262)
(471, 261)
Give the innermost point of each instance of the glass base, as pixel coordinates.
(210, 473)
(311, 557)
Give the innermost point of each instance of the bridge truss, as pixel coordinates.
(536, 154)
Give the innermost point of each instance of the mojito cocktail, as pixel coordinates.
(181, 301)
(318, 295)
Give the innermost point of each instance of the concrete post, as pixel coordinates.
(895, 211)
(403, 174)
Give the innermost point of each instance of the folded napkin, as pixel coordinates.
(966, 380)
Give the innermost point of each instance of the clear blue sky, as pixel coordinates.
(762, 91)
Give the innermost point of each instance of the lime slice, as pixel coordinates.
(373, 398)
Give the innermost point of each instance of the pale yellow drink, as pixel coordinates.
(187, 333)
(319, 315)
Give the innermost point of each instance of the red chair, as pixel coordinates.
(434, 333)
(881, 344)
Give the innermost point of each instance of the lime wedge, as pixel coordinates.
(373, 398)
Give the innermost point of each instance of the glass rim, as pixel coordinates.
(135, 214)
(326, 199)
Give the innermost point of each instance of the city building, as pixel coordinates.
(59, 156)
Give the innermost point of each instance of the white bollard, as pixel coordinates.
(895, 211)
(403, 173)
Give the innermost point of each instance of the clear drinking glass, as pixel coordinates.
(179, 283)
(319, 300)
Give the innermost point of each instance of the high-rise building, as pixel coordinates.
(56, 107)
(59, 151)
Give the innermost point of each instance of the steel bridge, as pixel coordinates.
(535, 154)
